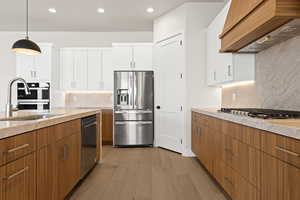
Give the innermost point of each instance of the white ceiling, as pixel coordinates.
(82, 15)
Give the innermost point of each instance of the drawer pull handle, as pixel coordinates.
(17, 148)
(17, 173)
(287, 151)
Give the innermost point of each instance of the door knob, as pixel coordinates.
(158, 107)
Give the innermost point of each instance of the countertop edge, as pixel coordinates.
(283, 130)
(39, 124)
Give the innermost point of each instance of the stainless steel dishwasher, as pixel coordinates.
(88, 144)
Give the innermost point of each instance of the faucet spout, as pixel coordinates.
(9, 94)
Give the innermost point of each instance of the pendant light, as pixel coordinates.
(26, 46)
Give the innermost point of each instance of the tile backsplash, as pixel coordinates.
(89, 99)
(277, 84)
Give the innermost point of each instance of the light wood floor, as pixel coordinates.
(147, 174)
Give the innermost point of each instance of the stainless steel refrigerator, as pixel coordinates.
(133, 108)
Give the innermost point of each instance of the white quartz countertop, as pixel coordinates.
(285, 127)
(12, 128)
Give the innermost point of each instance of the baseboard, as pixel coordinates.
(188, 153)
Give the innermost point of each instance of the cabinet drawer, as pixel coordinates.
(242, 133)
(243, 158)
(234, 184)
(18, 179)
(66, 129)
(16, 147)
(283, 148)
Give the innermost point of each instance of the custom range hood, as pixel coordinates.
(255, 25)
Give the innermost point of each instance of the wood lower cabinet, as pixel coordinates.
(58, 160)
(107, 127)
(18, 179)
(43, 164)
(248, 163)
(67, 158)
(280, 180)
(46, 173)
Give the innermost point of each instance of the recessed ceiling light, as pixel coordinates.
(150, 10)
(100, 10)
(52, 10)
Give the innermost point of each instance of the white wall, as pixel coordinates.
(170, 24)
(59, 39)
(199, 16)
(192, 19)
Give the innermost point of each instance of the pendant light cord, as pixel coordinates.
(27, 19)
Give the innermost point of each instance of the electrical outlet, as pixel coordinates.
(233, 96)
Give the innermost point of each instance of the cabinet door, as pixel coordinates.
(143, 57)
(25, 66)
(108, 69)
(219, 64)
(107, 127)
(195, 134)
(94, 69)
(280, 180)
(67, 69)
(80, 67)
(43, 63)
(46, 173)
(19, 181)
(205, 147)
(122, 57)
(68, 164)
(211, 76)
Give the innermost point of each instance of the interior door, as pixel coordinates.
(169, 87)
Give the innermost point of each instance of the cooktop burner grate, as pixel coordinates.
(262, 113)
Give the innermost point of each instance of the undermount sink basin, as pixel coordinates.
(30, 117)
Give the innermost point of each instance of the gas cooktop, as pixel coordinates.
(262, 113)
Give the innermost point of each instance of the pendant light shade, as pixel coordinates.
(26, 46)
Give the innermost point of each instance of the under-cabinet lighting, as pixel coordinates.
(240, 83)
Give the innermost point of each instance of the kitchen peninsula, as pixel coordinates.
(41, 159)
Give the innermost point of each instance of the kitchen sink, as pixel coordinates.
(30, 117)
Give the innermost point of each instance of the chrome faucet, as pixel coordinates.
(9, 106)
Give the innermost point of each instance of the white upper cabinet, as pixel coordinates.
(95, 74)
(108, 70)
(223, 68)
(86, 69)
(123, 56)
(81, 69)
(67, 72)
(133, 56)
(143, 57)
(36, 67)
(25, 66)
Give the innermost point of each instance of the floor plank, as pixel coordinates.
(147, 174)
